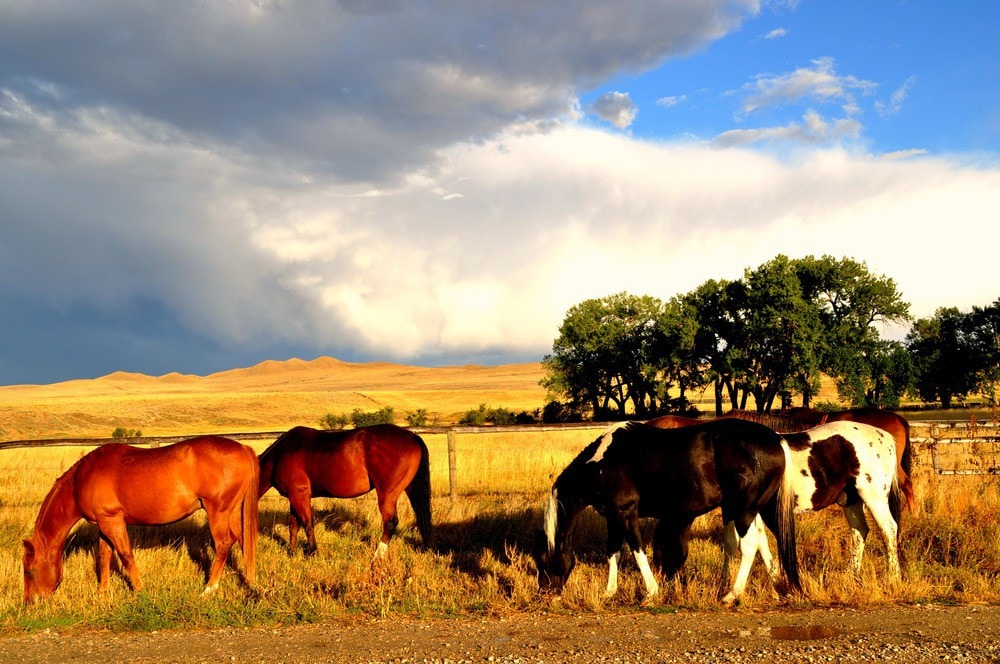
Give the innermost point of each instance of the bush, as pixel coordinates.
(121, 433)
(382, 416)
(555, 412)
(498, 416)
(417, 418)
(332, 422)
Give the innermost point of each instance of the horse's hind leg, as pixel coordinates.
(855, 515)
(387, 509)
(748, 545)
(113, 530)
(223, 537)
(890, 533)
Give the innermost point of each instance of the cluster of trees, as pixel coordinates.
(771, 334)
(956, 354)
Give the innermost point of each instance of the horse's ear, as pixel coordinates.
(29, 548)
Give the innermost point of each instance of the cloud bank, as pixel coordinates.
(203, 187)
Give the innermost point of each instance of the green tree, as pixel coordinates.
(985, 338)
(782, 333)
(718, 327)
(943, 353)
(603, 358)
(851, 301)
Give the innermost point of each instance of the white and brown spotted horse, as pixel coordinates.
(848, 463)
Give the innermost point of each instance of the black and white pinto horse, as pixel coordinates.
(674, 475)
(853, 465)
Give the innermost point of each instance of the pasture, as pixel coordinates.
(480, 563)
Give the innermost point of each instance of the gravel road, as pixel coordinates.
(889, 634)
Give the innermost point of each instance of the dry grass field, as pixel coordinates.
(480, 562)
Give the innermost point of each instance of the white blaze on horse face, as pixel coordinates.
(551, 519)
(606, 440)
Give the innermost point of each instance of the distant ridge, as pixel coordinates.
(272, 395)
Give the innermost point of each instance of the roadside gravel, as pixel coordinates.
(889, 634)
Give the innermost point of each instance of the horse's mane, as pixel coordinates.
(777, 421)
(62, 482)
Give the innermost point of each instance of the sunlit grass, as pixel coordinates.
(480, 563)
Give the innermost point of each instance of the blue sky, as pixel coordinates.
(196, 187)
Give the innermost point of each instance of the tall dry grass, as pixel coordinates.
(480, 563)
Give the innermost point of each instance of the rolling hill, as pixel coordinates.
(270, 396)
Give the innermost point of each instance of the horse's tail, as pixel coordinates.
(419, 493)
(785, 521)
(906, 464)
(250, 519)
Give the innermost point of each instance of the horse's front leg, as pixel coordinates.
(300, 513)
(629, 516)
(104, 553)
(113, 530)
(616, 537)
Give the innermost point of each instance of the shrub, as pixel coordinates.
(332, 422)
(382, 416)
(417, 418)
(121, 433)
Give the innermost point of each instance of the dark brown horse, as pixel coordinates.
(304, 463)
(118, 485)
(636, 470)
(800, 419)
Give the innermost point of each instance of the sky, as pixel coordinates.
(193, 187)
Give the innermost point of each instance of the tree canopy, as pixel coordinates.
(771, 333)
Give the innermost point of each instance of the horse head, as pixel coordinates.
(553, 564)
(42, 571)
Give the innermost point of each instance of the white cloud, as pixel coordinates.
(777, 33)
(812, 129)
(818, 83)
(671, 101)
(896, 99)
(616, 108)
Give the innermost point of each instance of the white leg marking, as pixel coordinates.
(551, 519)
(381, 550)
(612, 575)
(209, 590)
(765, 551)
(855, 515)
(748, 551)
(652, 587)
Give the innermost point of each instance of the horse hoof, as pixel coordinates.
(209, 590)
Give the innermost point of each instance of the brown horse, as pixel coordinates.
(118, 485)
(304, 463)
(804, 418)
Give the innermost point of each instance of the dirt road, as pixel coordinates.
(890, 634)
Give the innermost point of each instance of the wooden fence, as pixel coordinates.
(935, 437)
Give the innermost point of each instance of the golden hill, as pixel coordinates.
(271, 396)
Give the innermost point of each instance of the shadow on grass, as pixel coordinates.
(189, 535)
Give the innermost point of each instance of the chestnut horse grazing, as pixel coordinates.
(118, 485)
(304, 463)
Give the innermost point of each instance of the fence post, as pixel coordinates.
(452, 466)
